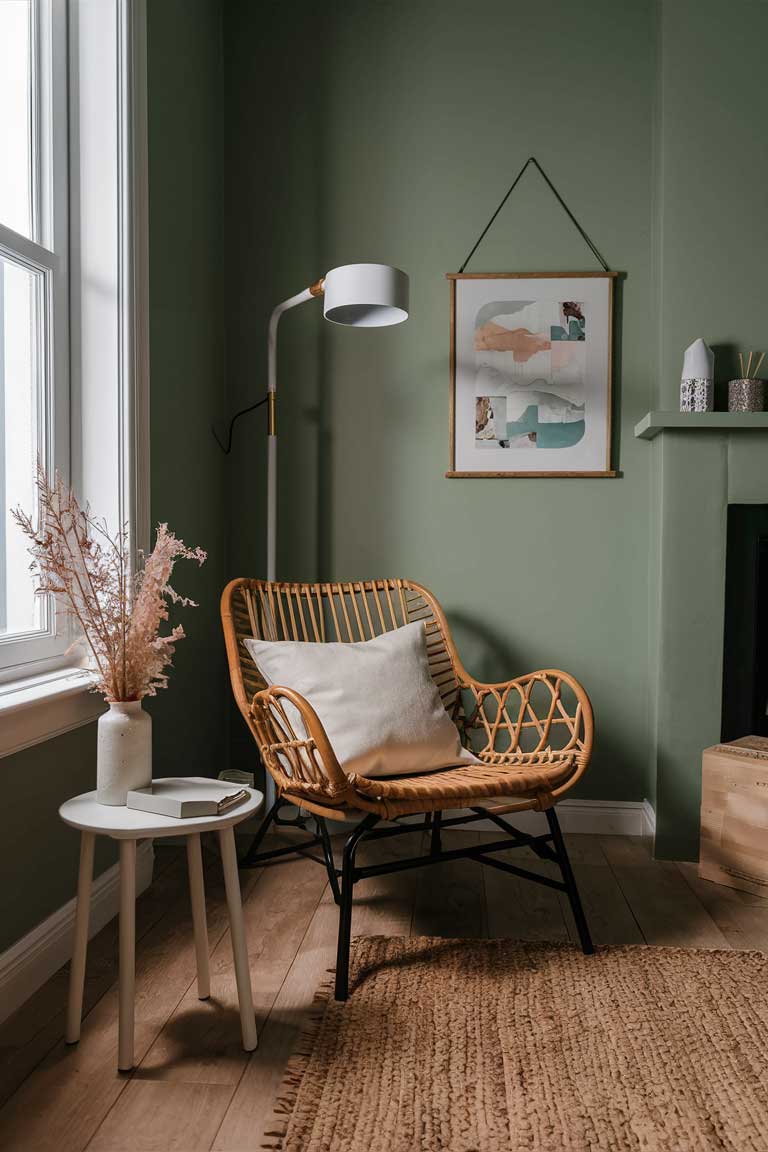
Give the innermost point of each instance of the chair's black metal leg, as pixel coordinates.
(436, 845)
(253, 847)
(345, 909)
(330, 863)
(569, 880)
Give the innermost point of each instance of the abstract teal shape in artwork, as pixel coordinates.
(545, 435)
(573, 325)
(575, 331)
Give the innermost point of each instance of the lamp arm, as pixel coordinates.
(274, 320)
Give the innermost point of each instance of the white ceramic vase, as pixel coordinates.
(123, 751)
(697, 382)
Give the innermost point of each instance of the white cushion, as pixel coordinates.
(376, 700)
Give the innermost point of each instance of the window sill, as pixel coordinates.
(37, 708)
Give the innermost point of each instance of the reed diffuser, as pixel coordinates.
(747, 394)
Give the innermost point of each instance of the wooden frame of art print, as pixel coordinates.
(551, 329)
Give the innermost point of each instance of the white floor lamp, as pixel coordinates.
(360, 295)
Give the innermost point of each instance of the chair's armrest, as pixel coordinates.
(295, 747)
(544, 710)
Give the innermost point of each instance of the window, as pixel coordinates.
(34, 338)
(74, 345)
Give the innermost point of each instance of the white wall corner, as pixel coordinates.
(649, 819)
(27, 964)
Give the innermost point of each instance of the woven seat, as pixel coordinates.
(533, 734)
(451, 787)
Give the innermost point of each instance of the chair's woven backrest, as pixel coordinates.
(330, 612)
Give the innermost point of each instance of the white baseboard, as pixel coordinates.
(599, 817)
(649, 820)
(27, 964)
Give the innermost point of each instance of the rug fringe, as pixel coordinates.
(296, 1068)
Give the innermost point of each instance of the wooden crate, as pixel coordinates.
(734, 814)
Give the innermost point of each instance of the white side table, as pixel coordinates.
(128, 825)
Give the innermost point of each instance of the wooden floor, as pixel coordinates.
(194, 1088)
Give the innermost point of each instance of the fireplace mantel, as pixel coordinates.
(695, 478)
(655, 422)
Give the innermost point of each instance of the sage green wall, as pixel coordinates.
(714, 164)
(712, 234)
(187, 351)
(38, 855)
(388, 132)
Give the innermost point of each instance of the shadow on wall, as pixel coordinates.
(481, 651)
(273, 223)
(726, 368)
(491, 661)
(616, 416)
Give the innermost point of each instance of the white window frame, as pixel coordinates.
(106, 442)
(46, 255)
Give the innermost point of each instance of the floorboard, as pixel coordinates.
(194, 1088)
(36, 1028)
(384, 906)
(61, 1105)
(518, 909)
(450, 897)
(667, 911)
(608, 912)
(741, 916)
(199, 1043)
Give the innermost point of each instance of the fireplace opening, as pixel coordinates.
(745, 647)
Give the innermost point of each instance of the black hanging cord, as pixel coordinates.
(236, 417)
(558, 197)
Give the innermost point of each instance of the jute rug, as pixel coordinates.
(488, 1045)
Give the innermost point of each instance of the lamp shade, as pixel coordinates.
(366, 295)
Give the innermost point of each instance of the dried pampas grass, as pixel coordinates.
(76, 559)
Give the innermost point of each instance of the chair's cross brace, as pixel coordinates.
(253, 861)
(537, 843)
(471, 853)
(548, 846)
(311, 856)
(526, 875)
(551, 842)
(398, 830)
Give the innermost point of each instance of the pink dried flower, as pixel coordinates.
(76, 559)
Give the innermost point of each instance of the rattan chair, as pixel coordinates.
(533, 736)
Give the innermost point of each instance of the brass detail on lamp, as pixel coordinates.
(271, 414)
(318, 287)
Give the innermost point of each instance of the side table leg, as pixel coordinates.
(199, 922)
(237, 932)
(80, 944)
(127, 953)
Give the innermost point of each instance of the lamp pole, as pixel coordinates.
(356, 295)
(292, 301)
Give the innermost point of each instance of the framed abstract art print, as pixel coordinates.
(531, 373)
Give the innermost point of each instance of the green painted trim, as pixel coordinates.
(655, 422)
